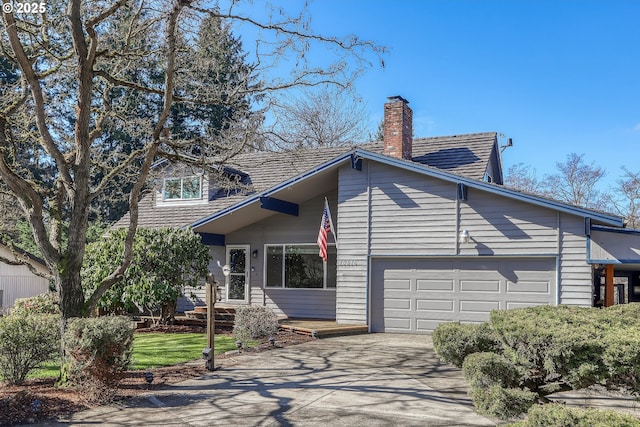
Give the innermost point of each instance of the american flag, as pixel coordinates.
(325, 228)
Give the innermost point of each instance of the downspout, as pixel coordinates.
(457, 227)
(368, 271)
(558, 256)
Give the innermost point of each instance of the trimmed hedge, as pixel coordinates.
(98, 349)
(455, 341)
(543, 350)
(488, 369)
(500, 402)
(557, 415)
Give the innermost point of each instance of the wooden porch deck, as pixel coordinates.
(320, 328)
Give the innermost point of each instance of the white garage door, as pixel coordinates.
(415, 295)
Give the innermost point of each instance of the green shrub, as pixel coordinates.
(502, 403)
(41, 304)
(557, 415)
(455, 341)
(484, 370)
(27, 341)
(98, 349)
(165, 262)
(621, 358)
(553, 345)
(253, 322)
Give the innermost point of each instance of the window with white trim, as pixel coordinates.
(299, 267)
(184, 188)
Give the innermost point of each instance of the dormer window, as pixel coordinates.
(185, 188)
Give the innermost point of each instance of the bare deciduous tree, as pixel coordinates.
(523, 177)
(89, 68)
(330, 116)
(576, 182)
(625, 198)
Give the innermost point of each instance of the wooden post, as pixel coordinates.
(211, 320)
(608, 286)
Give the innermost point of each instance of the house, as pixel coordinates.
(426, 233)
(18, 278)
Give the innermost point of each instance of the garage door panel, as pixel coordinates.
(434, 304)
(397, 284)
(398, 323)
(434, 285)
(416, 295)
(397, 303)
(529, 286)
(478, 285)
(478, 306)
(426, 326)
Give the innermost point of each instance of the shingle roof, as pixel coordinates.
(465, 155)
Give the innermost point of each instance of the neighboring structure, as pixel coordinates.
(18, 281)
(426, 233)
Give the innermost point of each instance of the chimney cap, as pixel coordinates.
(397, 98)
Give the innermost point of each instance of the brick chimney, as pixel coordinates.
(398, 128)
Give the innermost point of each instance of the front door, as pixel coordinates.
(238, 279)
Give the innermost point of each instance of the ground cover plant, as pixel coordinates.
(521, 357)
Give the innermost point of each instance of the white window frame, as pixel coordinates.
(282, 286)
(247, 276)
(181, 198)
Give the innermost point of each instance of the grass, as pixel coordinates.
(156, 350)
(151, 350)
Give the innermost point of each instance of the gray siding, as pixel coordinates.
(498, 225)
(353, 240)
(411, 214)
(306, 303)
(283, 229)
(575, 273)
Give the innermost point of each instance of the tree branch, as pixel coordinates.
(39, 105)
(148, 161)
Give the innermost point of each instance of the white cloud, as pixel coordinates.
(636, 128)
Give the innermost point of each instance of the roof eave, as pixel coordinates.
(255, 198)
(611, 220)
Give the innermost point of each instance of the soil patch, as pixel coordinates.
(40, 400)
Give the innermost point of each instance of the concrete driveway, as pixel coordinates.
(361, 380)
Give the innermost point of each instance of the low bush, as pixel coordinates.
(484, 370)
(502, 403)
(252, 322)
(455, 341)
(562, 416)
(27, 340)
(552, 349)
(41, 304)
(98, 350)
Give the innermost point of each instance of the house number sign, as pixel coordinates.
(348, 262)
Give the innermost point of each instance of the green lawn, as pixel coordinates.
(152, 350)
(155, 350)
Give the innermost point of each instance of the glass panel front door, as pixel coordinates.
(237, 282)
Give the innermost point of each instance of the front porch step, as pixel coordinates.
(223, 315)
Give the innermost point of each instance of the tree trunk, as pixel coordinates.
(69, 285)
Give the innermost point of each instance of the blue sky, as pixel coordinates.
(556, 76)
